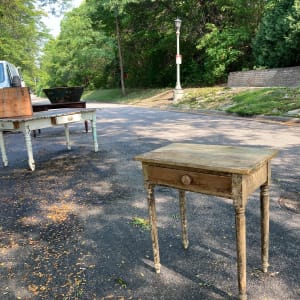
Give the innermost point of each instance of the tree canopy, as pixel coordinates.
(23, 33)
(277, 41)
(109, 43)
(82, 64)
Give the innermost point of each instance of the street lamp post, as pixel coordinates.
(178, 92)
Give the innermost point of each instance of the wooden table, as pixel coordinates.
(45, 119)
(226, 171)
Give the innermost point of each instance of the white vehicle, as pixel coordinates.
(10, 76)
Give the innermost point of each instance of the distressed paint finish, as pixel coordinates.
(45, 119)
(264, 208)
(227, 171)
(3, 151)
(94, 130)
(67, 134)
(239, 201)
(26, 132)
(182, 206)
(153, 223)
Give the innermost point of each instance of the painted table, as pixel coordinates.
(45, 119)
(226, 171)
(43, 107)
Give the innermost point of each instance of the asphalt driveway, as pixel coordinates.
(67, 230)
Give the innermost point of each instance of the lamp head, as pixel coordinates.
(177, 24)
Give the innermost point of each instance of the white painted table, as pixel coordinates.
(42, 120)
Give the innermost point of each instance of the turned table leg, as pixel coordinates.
(67, 134)
(182, 206)
(28, 143)
(94, 132)
(3, 151)
(240, 223)
(152, 219)
(86, 126)
(264, 209)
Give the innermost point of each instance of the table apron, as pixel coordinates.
(255, 179)
(41, 123)
(205, 182)
(66, 119)
(7, 126)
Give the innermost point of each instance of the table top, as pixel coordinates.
(49, 114)
(228, 159)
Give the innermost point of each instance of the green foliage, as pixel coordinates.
(121, 282)
(55, 7)
(215, 39)
(78, 56)
(141, 223)
(21, 35)
(277, 41)
(223, 49)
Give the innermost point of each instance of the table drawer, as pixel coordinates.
(208, 183)
(66, 119)
(7, 126)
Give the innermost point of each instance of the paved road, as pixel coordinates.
(94, 250)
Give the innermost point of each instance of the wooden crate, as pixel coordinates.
(15, 102)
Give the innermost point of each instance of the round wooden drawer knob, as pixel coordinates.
(186, 179)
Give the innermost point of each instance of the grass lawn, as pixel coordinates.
(115, 95)
(267, 101)
(242, 101)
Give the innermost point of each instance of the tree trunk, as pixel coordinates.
(120, 57)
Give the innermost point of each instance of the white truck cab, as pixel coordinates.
(10, 76)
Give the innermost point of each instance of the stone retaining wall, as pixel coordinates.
(281, 77)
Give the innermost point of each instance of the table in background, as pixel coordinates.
(45, 119)
(78, 104)
(226, 171)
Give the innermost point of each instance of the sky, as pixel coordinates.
(53, 23)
